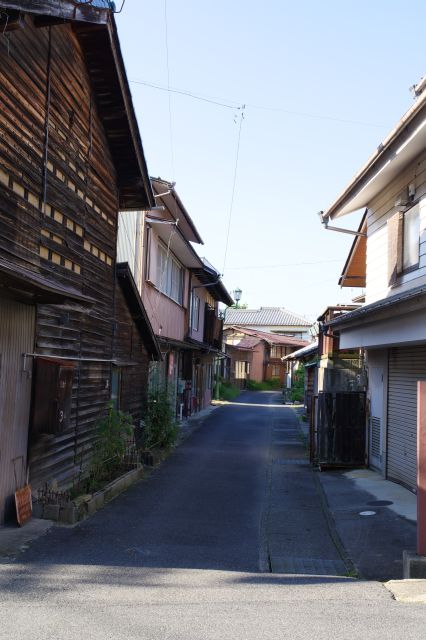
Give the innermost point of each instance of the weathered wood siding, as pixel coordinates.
(59, 215)
(381, 209)
(130, 350)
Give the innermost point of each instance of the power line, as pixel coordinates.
(289, 264)
(172, 155)
(187, 94)
(233, 188)
(233, 104)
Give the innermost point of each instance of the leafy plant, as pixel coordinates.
(160, 430)
(113, 434)
(228, 391)
(267, 385)
(298, 384)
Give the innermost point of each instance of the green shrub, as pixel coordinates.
(228, 391)
(113, 431)
(160, 430)
(267, 385)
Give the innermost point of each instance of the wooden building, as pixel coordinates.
(70, 158)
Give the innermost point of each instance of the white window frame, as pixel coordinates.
(195, 312)
(411, 239)
(170, 275)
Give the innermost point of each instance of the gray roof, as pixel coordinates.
(265, 316)
(417, 294)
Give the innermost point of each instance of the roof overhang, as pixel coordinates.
(210, 278)
(305, 352)
(402, 146)
(398, 304)
(28, 286)
(105, 65)
(166, 195)
(93, 12)
(137, 309)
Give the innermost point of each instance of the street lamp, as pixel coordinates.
(237, 296)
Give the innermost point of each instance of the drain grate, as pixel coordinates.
(290, 461)
(308, 566)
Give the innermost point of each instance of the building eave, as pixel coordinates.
(403, 144)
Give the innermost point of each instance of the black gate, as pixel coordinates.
(341, 429)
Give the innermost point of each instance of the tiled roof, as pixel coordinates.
(247, 344)
(265, 316)
(272, 338)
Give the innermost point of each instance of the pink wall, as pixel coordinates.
(256, 367)
(168, 318)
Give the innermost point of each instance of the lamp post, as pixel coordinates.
(237, 295)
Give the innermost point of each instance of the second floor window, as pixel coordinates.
(195, 312)
(403, 243)
(411, 236)
(169, 275)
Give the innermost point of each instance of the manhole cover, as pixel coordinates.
(379, 503)
(367, 513)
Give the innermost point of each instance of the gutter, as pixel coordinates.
(382, 152)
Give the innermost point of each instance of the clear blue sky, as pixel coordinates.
(337, 75)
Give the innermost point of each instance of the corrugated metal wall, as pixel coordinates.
(17, 323)
(406, 367)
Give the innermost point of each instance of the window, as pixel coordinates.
(169, 275)
(195, 312)
(403, 243)
(115, 387)
(275, 371)
(276, 352)
(411, 235)
(52, 395)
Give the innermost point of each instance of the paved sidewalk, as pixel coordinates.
(301, 538)
(374, 518)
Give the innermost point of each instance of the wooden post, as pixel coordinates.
(421, 468)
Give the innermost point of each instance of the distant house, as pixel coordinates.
(389, 259)
(269, 319)
(257, 355)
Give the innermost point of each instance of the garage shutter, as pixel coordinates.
(406, 367)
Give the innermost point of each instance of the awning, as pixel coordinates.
(31, 286)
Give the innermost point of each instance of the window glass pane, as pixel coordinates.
(410, 256)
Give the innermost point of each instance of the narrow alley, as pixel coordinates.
(232, 519)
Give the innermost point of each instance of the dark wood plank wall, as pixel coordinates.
(129, 348)
(59, 217)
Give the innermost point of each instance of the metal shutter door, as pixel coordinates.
(406, 366)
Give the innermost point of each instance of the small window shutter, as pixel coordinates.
(394, 226)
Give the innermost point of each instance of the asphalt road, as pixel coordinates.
(181, 555)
